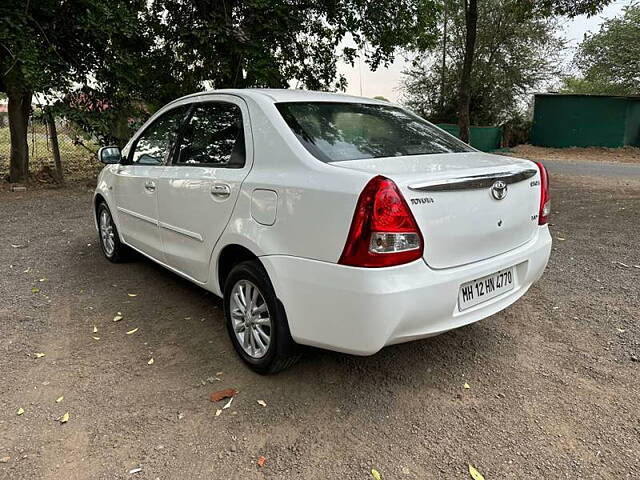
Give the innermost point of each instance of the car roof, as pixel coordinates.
(276, 95)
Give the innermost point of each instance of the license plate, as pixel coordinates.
(477, 291)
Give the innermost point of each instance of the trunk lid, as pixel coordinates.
(450, 196)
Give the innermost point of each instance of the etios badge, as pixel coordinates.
(499, 190)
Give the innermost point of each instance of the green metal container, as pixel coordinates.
(567, 120)
(485, 139)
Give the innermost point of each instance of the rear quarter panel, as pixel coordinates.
(315, 201)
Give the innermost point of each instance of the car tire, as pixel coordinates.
(112, 248)
(249, 333)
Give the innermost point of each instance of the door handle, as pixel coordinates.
(220, 190)
(150, 186)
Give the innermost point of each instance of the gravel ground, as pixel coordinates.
(554, 389)
(582, 154)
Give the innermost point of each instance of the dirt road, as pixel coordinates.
(554, 380)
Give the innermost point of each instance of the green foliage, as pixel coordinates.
(275, 43)
(580, 85)
(570, 8)
(610, 59)
(48, 44)
(129, 57)
(515, 53)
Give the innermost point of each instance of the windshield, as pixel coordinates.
(335, 132)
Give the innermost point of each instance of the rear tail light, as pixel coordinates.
(545, 200)
(383, 231)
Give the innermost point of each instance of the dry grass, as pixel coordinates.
(78, 162)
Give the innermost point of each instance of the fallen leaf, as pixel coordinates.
(261, 461)
(219, 373)
(222, 394)
(475, 474)
(135, 470)
(27, 270)
(42, 280)
(118, 317)
(35, 290)
(467, 386)
(561, 239)
(39, 354)
(132, 331)
(20, 411)
(95, 338)
(64, 418)
(5, 459)
(376, 474)
(132, 294)
(59, 399)
(151, 361)
(218, 412)
(228, 404)
(262, 403)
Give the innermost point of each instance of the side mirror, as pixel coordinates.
(109, 155)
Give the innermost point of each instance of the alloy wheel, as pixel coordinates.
(250, 319)
(107, 235)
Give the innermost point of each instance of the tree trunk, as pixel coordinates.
(444, 60)
(53, 133)
(464, 91)
(19, 110)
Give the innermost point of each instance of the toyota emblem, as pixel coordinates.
(499, 190)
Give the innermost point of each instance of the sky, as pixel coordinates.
(386, 81)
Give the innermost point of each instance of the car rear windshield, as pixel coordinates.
(335, 132)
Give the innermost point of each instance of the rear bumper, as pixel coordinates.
(359, 311)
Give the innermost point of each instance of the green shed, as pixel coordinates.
(485, 139)
(571, 120)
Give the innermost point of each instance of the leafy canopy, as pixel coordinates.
(610, 59)
(515, 54)
(275, 43)
(126, 58)
(46, 45)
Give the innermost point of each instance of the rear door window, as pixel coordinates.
(213, 137)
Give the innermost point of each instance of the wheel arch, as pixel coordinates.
(98, 198)
(230, 256)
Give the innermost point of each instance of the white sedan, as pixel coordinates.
(327, 220)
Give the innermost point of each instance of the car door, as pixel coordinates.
(136, 183)
(198, 190)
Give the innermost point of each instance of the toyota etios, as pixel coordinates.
(328, 220)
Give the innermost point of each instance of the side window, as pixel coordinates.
(213, 137)
(153, 146)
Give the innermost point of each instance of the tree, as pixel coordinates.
(609, 60)
(184, 46)
(44, 47)
(538, 9)
(591, 86)
(257, 43)
(464, 90)
(513, 56)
